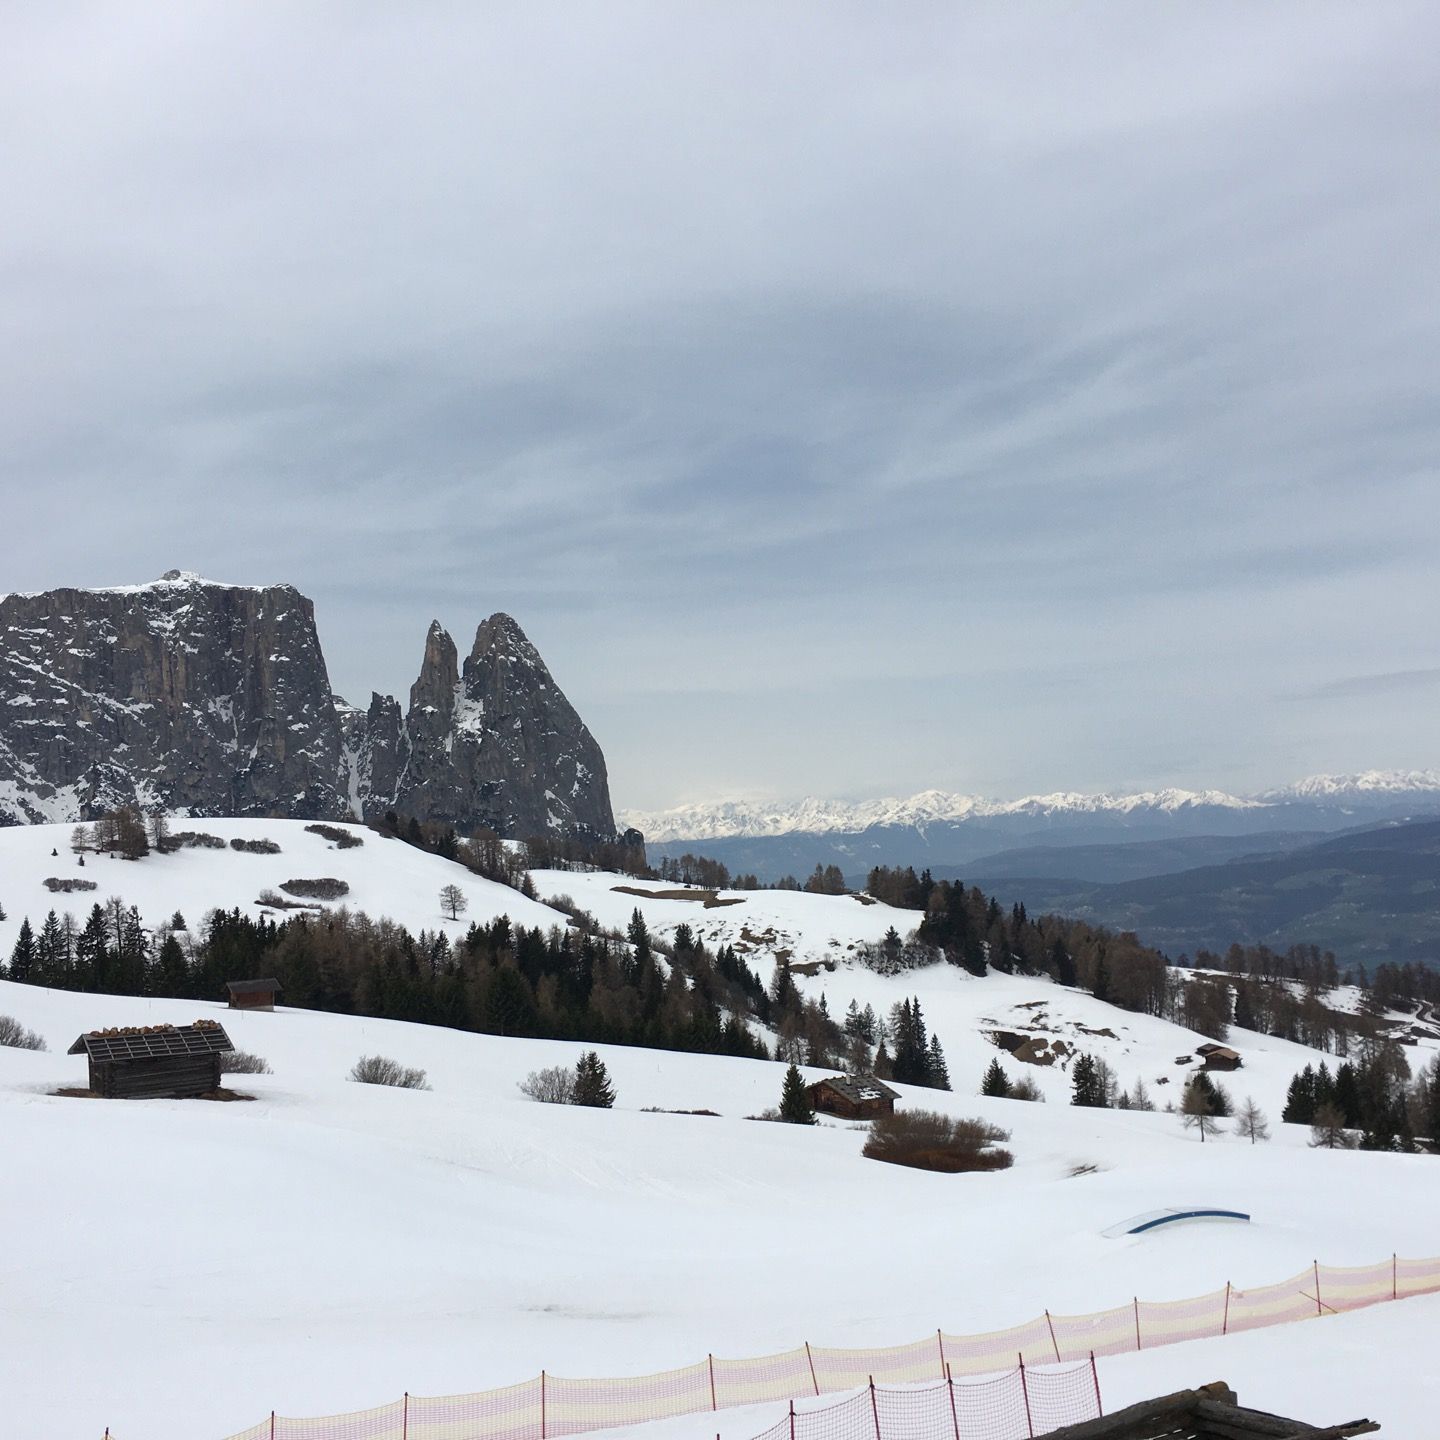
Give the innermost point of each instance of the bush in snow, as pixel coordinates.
(15, 1035)
(242, 1062)
(196, 840)
(68, 886)
(382, 1070)
(340, 839)
(554, 1085)
(1025, 1088)
(927, 1140)
(255, 847)
(325, 888)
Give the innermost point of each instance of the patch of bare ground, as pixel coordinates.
(708, 898)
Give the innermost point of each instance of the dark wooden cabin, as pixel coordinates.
(252, 994)
(155, 1061)
(1219, 1057)
(1210, 1413)
(853, 1097)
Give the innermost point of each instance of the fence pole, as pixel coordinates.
(1137, 1323)
(1394, 1278)
(1094, 1375)
(1319, 1308)
(792, 1420)
(874, 1408)
(272, 1425)
(1053, 1342)
(1225, 1323)
(1025, 1391)
(954, 1416)
(405, 1418)
(811, 1359)
(542, 1405)
(940, 1340)
(713, 1405)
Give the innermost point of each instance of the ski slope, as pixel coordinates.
(331, 1245)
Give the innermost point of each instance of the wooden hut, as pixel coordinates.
(1219, 1057)
(853, 1097)
(154, 1061)
(252, 994)
(1210, 1413)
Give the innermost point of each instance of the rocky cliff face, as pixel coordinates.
(214, 700)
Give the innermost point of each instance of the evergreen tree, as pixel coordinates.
(937, 1071)
(592, 1083)
(22, 957)
(1087, 1084)
(1300, 1099)
(1197, 1106)
(795, 1107)
(996, 1082)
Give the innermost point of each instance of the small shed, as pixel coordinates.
(1211, 1412)
(853, 1097)
(1219, 1057)
(252, 994)
(154, 1061)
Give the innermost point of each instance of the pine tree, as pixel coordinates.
(1087, 1084)
(1300, 1099)
(937, 1071)
(592, 1083)
(22, 957)
(996, 1082)
(1196, 1107)
(795, 1107)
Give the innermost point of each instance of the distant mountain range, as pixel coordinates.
(753, 819)
(1186, 869)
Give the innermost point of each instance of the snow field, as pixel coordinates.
(329, 1245)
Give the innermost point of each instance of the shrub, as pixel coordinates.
(242, 1062)
(325, 888)
(340, 839)
(196, 840)
(272, 901)
(1025, 1088)
(255, 847)
(68, 886)
(382, 1070)
(17, 1037)
(927, 1140)
(554, 1085)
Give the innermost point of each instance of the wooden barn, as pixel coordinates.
(155, 1061)
(252, 994)
(1219, 1057)
(853, 1097)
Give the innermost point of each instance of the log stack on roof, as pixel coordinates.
(154, 1061)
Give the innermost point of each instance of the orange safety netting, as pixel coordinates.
(551, 1406)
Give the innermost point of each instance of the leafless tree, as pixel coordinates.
(1251, 1122)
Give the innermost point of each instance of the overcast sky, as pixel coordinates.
(847, 399)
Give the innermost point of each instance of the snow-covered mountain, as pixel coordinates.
(210, 699)
(753, 819)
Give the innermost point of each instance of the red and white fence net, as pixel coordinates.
(550, 1406)
(1018, 1405)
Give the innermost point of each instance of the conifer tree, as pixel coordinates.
(1197, 1107)
(996, 1082)
(1087, 1084)
(1251, 1122)
(592, 1083)
(22, 957)
(795, 1106)
(937, 1071)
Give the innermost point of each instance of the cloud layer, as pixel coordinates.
(999, 400)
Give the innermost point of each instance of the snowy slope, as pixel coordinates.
(386, 877)
(329, 1245)
(759, 923)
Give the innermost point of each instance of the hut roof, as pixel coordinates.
(1210, 1413)
(859, 1087)
(253, 987)
(153, 1042)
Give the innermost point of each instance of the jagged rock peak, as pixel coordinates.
(193, 696)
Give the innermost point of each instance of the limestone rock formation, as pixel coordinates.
(214, 700)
